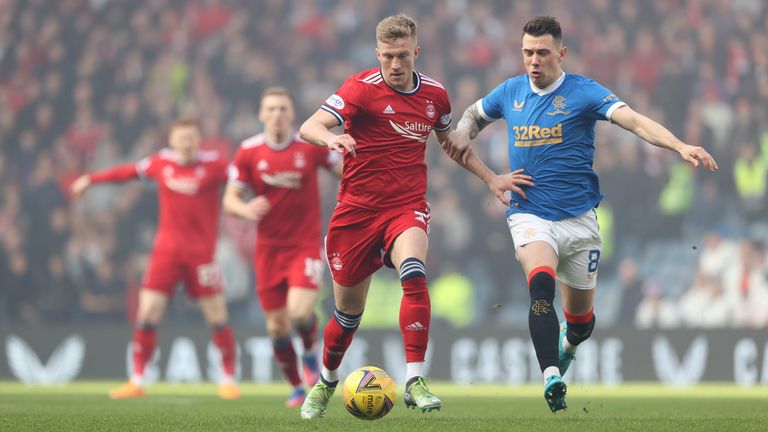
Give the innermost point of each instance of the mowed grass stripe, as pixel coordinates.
(84, 406)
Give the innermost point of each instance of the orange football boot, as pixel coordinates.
(128, 390)
(229, 391)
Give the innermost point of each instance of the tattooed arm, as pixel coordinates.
(470, 125)
(456, 145)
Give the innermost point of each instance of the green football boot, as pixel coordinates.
(417, 395)
(317, 400)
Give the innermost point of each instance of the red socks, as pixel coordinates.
(415, 313)
(224, 339)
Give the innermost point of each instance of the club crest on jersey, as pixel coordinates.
(336, 261)
(431, 111)
(298, 160)
(559, 104)
(335, 101)
(262, 165)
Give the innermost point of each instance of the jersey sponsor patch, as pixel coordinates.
(412, 130)
(335, 101)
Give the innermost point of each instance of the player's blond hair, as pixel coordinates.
(276, 91)
(396, 27)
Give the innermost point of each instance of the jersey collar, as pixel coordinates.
(282, 145)
(171, 155)
(552, 87)
(416, 83)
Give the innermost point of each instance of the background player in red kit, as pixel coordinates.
(189, 185)
(388, 114)
(281, 170)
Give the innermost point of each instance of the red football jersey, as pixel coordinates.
(189, 195)
(391, 129)
(287, 175)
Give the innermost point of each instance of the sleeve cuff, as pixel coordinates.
(613, 108)
(479, 105)
(333, 112)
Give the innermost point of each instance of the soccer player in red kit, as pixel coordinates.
(388, 114)
(281, 170)
(189, 185)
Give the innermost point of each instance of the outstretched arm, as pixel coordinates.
(498, 184)
(316, 130)
(470, 125)
(119, 173)
(660, 136)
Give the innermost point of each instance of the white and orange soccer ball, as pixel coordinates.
(369, 393)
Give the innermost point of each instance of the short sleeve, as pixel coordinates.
(602, 102)
(239, 171)
(148, 167)
(443, 122)
(348, 100)
(491, 106)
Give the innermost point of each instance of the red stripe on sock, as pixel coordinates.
(579, 319)
(541, 269)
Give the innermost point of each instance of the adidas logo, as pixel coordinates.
(417, 326)
(389, 110)
(262, 165)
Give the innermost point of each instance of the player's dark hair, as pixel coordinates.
(542, 25)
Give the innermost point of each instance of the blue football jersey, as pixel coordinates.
(551, 136)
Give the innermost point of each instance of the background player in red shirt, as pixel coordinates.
(281, 170)
(388, 114)
(189, 186)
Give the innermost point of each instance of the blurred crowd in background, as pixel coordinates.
(86, 84)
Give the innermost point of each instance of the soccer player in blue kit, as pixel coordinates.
(551, 118)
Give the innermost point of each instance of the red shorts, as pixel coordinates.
(281, 267)
(359, 239)
(201, 277)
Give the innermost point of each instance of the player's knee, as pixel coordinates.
(300, 313)
(578, 332)
(302, 322)
(541, 283)
(150, 316)
(412, 268)
(278, 326)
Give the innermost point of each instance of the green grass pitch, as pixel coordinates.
(84, 406)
